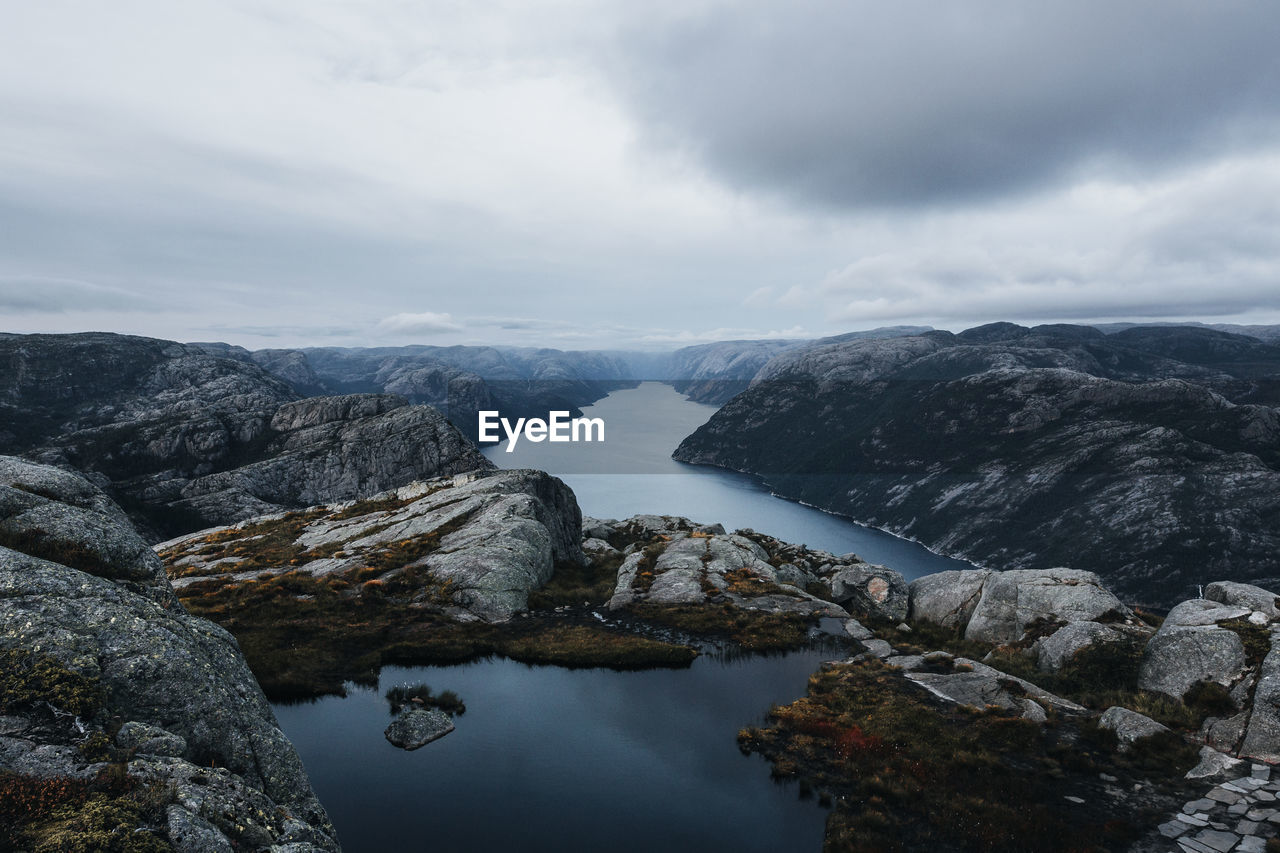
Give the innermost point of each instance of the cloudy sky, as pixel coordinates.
(606, 174)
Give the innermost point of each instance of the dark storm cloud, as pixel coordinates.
(898, 104)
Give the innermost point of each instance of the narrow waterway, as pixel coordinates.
(632, 472)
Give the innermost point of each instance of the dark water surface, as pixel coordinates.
(548, 759)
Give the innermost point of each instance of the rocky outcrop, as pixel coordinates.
(1000, 607)
(979, 686)
(417, 727)
(1191, 647)
(481, 541)
(184, 438)
(85, 599)
(682, 563)
(1149, 455)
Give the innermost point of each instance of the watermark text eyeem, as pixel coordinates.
(557, 427)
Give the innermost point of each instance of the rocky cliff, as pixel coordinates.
(185, 439)
(122, 714)
(1144, 454)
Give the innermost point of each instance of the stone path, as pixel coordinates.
(1239, 815)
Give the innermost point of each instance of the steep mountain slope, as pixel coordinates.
(1134, 455)
(185, 439)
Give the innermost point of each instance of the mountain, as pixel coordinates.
(713, 373)
(1150, 456)
(186, 439)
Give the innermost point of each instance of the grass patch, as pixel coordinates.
(587, 646)
(751, 629)
(420, 694)
(28, 680)
(1256, 639)
(908, 773)
(108, 814)
(572, 584)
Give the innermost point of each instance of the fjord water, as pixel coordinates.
(632, 472)
(549, 759)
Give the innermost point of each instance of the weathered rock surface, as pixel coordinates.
(1149, 456)
(184, 438)
(871, 589)
(1178, 656)
(1262, 736)
(485, 539)
(977, 685)
(417, 727)
(1059, 648)
(1129, 726)
(1012, 601)
(180, 684)
(689, 564)
(947, 598)
(1000, 607)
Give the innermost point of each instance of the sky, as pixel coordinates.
(626, 174)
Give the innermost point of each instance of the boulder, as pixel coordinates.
(1129, 726)
(1215, 766)
(1056, 650)
(979, 686)
(871, 591)
(416, 727)
(1012, 601)
(1179, 656)
(1201, 611)
(1262, 737)
(1243, 595)
(947, 598)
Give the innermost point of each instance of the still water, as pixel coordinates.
(548, 759)
(632, 472)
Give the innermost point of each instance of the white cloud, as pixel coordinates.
(423, 323)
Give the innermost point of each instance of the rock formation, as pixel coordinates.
(162, 695)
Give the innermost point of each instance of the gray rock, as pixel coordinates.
(1129, 726)
(977, 685)
(181, 681)
(856, 630)
(947, 598)
(150, 740)
(1177, 657)
(1262, 737)
(417, 727)
(504, 532)
(872, 591)
(193, 834)
(1011, 601)
(1243, 595)
(45, 511)
(1225, 733)
(1056, 650)
(1199, 611)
